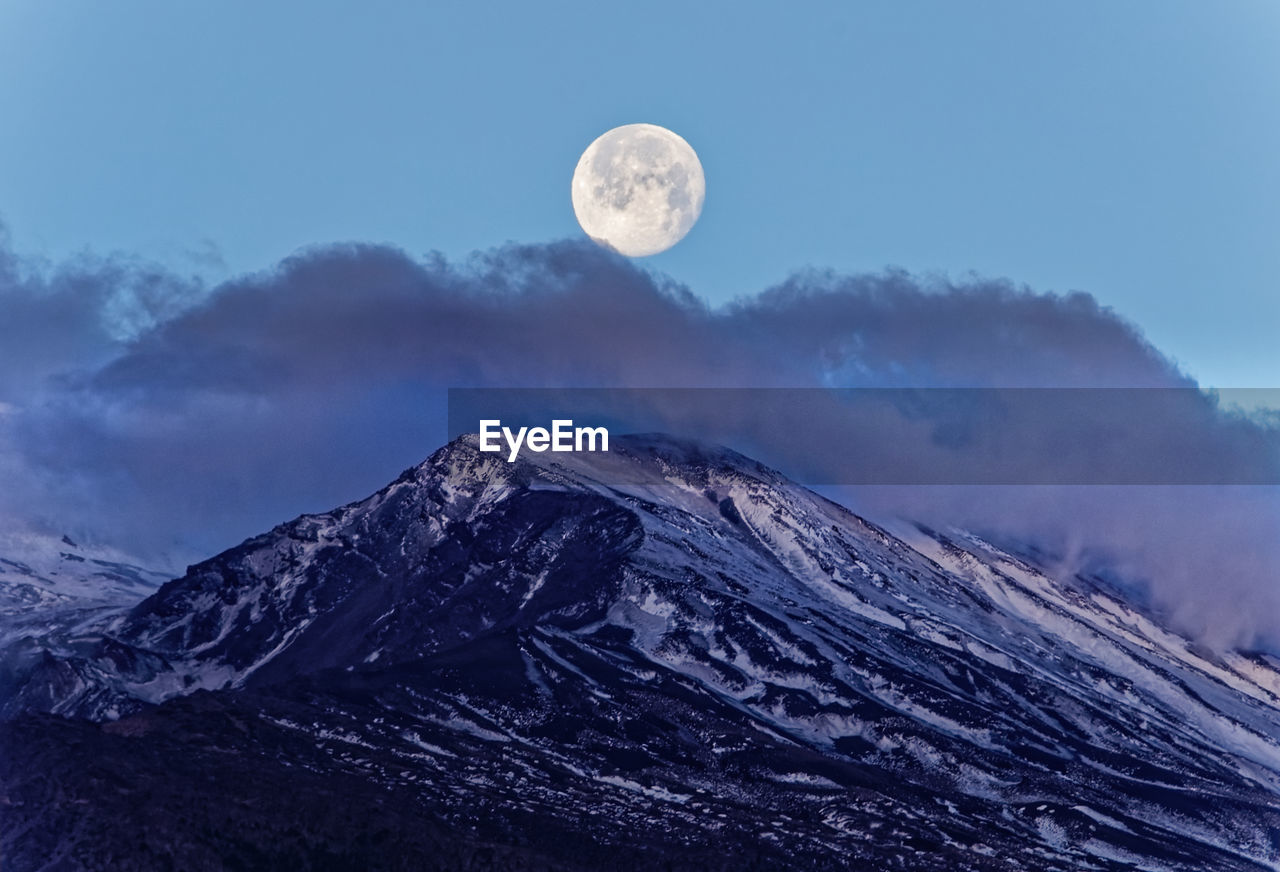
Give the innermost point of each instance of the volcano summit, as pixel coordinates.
(516, 665)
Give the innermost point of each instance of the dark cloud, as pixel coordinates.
(175, 421)
(76, 316)
(896, 329)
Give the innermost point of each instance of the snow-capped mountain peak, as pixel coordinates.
(678, 639)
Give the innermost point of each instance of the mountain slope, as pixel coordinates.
(54, 592)
(723, 666)
(40, 574)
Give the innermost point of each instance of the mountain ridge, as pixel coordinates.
(713, 656)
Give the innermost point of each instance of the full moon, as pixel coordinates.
(638, 189)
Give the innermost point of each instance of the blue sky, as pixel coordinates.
(1128, 149)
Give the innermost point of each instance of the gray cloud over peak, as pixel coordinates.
(902, 330)
(570, 313)
(218, 413)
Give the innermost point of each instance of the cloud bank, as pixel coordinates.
(146, 410)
